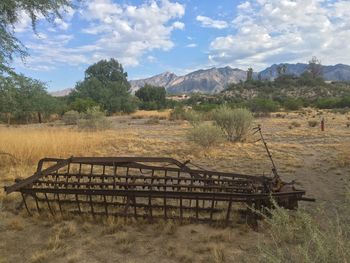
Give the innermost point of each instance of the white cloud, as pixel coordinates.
(211, 23)
(125, 32)
(192, 45)
(272, 31)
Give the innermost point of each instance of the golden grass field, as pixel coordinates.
(318, 161)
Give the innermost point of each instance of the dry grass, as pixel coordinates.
(304, 154)
(141, 114)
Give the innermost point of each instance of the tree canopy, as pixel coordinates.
(10, 11)
(106, 84)
(151, 97)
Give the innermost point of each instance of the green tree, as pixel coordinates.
(249, 75)
(315, 68)
(8, 94)
(10, 14)
(151, 97)
(106, 84)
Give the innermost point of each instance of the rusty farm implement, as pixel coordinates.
(150, 188)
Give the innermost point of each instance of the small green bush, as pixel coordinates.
(312, 123)
(178, 113)
(71, 117)
(235, 123)
(205, 135)
(193, 117)
(295, 124)
(94, 119)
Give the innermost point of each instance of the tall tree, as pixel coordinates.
(315, 68)
(106, 84)
(10, 11)
(249, 74)
(152, 97)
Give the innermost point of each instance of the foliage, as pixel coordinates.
(106, 84)
(205, 135)
(235, 123)
(10, 16)
(22, 98)
(193, 117)
(293, 104)
(71, 117)
(263, 105)
(151, 97)
(81, 105)
(94, 119)
(301, 237)
(178, 113)
(312, 123)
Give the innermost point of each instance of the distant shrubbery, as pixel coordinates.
(205, 135)
(235, 123)
(92, 119)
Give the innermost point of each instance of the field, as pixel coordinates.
(318, 161)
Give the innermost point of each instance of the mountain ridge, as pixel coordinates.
(214, 80)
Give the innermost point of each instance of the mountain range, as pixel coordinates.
(214, 80)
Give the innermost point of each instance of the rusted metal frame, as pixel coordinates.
(35, 176)
(217, 182)
(132, 162)
(140, 205)
(157, 185)
(159, 194)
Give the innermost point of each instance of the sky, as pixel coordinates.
(149, 37)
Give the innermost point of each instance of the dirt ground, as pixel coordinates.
(318, 161)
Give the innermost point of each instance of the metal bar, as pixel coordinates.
(25, 204)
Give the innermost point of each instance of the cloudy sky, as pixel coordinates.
(149, 36)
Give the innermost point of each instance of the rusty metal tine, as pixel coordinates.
(59, 203)
(78, 203)
(91, 206)
(197, 208)
(165, 208)
(181, 211)
(25, 204)
(36, 202)
(48, 204)
(150, 214)
(228, 211)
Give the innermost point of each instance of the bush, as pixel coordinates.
(312, 123)
(178, 113)
(295, 124)
(94, 119)
(193, 117)
(293, 104)
(235, 123)
(263, 105)
(71, 117)
(302, 237)
(205, 135)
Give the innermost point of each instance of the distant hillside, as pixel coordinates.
(339, 72)
(61, 93)
(205, 81)
(215, 80)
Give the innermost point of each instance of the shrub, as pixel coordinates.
(312, 123)
(302, 237)
(193, 117)
(94, 119)
(235, 123)
(178, 113)
(293, 104)
(263, 105)
(71, 117)
(295, 124)
(205, 135)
